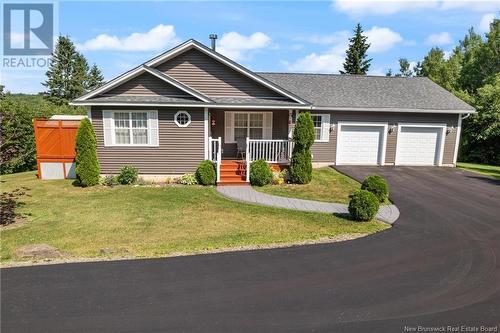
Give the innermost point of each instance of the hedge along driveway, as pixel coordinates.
(156, 221)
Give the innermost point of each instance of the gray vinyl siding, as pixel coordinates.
(180, 149)
(146, 85)
(280, 128)
(326, 151)
(211, 77)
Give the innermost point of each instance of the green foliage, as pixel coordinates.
(69, 76)
(356, 61)
(301, 161)
(377, 185)
(280, 177)
(128, 175)
(363, 205)
(17, 139)
(404, 68)
(260, 173)
(481, 131)
(188, 179)
(87, 164)
(471, 73)
(206, 173)
(109, 180)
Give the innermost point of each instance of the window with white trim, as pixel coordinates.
(131, 128)
(248, 125)
(321, 124)
(182, 119)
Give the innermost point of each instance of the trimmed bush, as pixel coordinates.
(128, 175)
(303, 138)
(206, 173)
(363, 205)
(188, 179)
(87, 164)
(377, 185)
(260, 173)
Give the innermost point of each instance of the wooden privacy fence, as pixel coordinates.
(55, 147)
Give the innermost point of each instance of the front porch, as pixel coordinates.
(240, 137)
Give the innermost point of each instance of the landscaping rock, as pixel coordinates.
(38, 251)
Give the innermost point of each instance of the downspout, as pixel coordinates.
(459, 133)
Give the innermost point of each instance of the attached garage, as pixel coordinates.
(420, 144)
(361, 143)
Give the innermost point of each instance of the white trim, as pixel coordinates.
(180, 49)
(457, 139)
(322, 128)
(178, 113)
(205, 133)
(248, 127)
(68, 117)
(402, 110)
(167, 78)
(423, 125)
(385, 126)
(113, 134)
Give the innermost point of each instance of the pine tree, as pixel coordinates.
(356, 61)
(389, 72)
(79, 77)
(95, 78)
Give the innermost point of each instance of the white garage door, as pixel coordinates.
(360, 144)
(418, 146)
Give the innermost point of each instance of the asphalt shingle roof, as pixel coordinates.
(360, 91)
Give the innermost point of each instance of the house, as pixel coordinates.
(192, 103)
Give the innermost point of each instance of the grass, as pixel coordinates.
(327, 185)
(154, 221)
(489, 170)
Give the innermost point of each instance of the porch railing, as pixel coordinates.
(272, 151)
(215, 153)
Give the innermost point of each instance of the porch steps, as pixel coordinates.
(232, 172)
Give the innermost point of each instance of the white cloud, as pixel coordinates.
(158, 38)
(382, 39)
(388, 7)
(442, 38)
(236, 46)
(484, 25)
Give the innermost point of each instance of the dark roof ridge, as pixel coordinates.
(345, 75)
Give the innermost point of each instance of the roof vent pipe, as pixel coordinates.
(213, 37)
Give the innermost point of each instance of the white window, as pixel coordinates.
(130, 128)
(254, 125)
(182, 119)
(321, 127)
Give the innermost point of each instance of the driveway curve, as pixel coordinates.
(437, 266)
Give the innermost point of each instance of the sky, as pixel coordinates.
(276, 36)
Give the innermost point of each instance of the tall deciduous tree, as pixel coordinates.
(357, 61)
(404, 68)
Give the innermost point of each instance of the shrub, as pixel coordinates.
(128, 175)
(280, 177)
(206, 173)
(188, 179)
(109, 180)
(260, 173)
(363, 205)
(303, 138)
(377, 185)
(87, 164)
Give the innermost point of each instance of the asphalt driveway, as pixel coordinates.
(438, 266)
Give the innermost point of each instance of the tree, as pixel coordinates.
(87, 164)
(95, 78)
(356, 61)
(404, 68)
(303, 138)
(417, 69)
(389, 72)
(481, 131)
(69, 76)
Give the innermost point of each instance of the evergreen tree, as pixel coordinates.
(303, 138)
(87, 164)
(417, 69)
(433, 65)
(95, 78)
(356, 61)
(79, 77)
(389, 72)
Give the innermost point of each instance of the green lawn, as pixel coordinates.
(154, 221)
(489, 170)
(327, 185)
